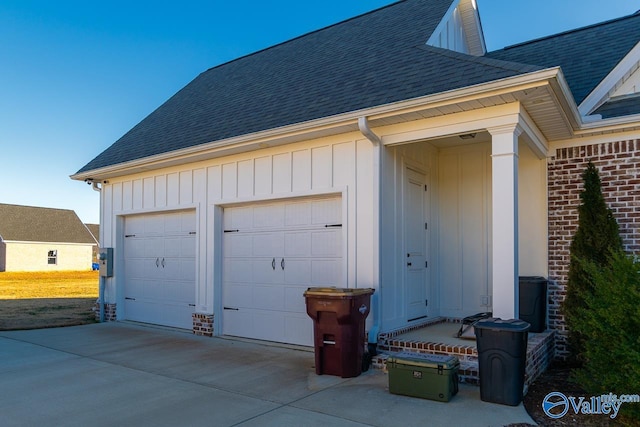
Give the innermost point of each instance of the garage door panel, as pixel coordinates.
(294, 299)
(160, 269)
(173, 247)
(236, 270)
(134, 268)
(299, 329)
(264, 272)
(135, 248)
(298, 272)
(297, 214)
(297, 244)
(290, 250)
(268, 325)
(268, 297)
(179, 291)
(326, 272)
(268, 216)
(238, 218)
(327, 211)
(237, 245)
(238, 295)
(326, 243)
(268, 244)
(188, 247)
(154, 247)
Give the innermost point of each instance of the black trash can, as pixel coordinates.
(339, 316)
(502, 354)
(533, 302)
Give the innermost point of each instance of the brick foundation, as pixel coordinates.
(203, 324)
(618, 164)
(540, 352)
(109, 311)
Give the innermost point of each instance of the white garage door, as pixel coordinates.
(272, 253)
(160, 268)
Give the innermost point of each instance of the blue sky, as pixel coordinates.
(77, 75)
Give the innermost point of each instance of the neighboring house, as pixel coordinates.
(94, 229)
(386, 151)
(43, 239)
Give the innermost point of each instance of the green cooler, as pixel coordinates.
(427, 376)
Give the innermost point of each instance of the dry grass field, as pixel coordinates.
(33, 300)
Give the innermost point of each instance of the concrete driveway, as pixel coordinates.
(122, 374)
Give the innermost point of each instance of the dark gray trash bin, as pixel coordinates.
(502, 354)
(533, 302)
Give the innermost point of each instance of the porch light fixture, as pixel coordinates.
(468, 136)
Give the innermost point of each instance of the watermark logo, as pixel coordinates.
(556, 404)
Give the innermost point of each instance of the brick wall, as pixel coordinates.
(202, 324)
(618, 164)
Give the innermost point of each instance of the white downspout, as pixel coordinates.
(102, 280)
(378, 155)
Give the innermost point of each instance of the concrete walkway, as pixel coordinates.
(121, 374)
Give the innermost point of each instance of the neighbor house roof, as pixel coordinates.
(374, 59)
(94, 229)
(34, 224)
(586, 55)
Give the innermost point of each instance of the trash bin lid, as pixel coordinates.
(337, 292)
(509, 325)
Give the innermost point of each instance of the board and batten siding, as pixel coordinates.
(339, 165)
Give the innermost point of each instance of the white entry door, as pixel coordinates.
(415, 244)
(160, 268)
(272, 253)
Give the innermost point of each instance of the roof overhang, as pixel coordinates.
(544, 96)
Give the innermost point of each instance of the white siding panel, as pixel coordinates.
(199, 185)
(245, 178)
(229, 181)
(214, 184)
(137, 194)
(161, 190)
(263, 176)
(282, 173)
(173, 189)
(186, 187)
(301, 170)
(127, 195)
(148, 191)
(321, 172)
(343, 164)
(117, 199)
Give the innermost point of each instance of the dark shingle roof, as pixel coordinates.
(33, 224)
(620, 106)
(586, 55)
(371, 60)
(94, 229)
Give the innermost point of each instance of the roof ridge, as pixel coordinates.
(36, 207)
(574, 30)
(395, 3)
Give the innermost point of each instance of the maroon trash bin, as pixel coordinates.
(339, 316)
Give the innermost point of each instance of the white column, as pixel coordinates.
(504, 155)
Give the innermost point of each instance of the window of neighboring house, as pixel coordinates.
(53, 257)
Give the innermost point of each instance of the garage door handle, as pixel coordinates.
(282, 263)
(162, 262)
(157, 262)
(273, 263)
